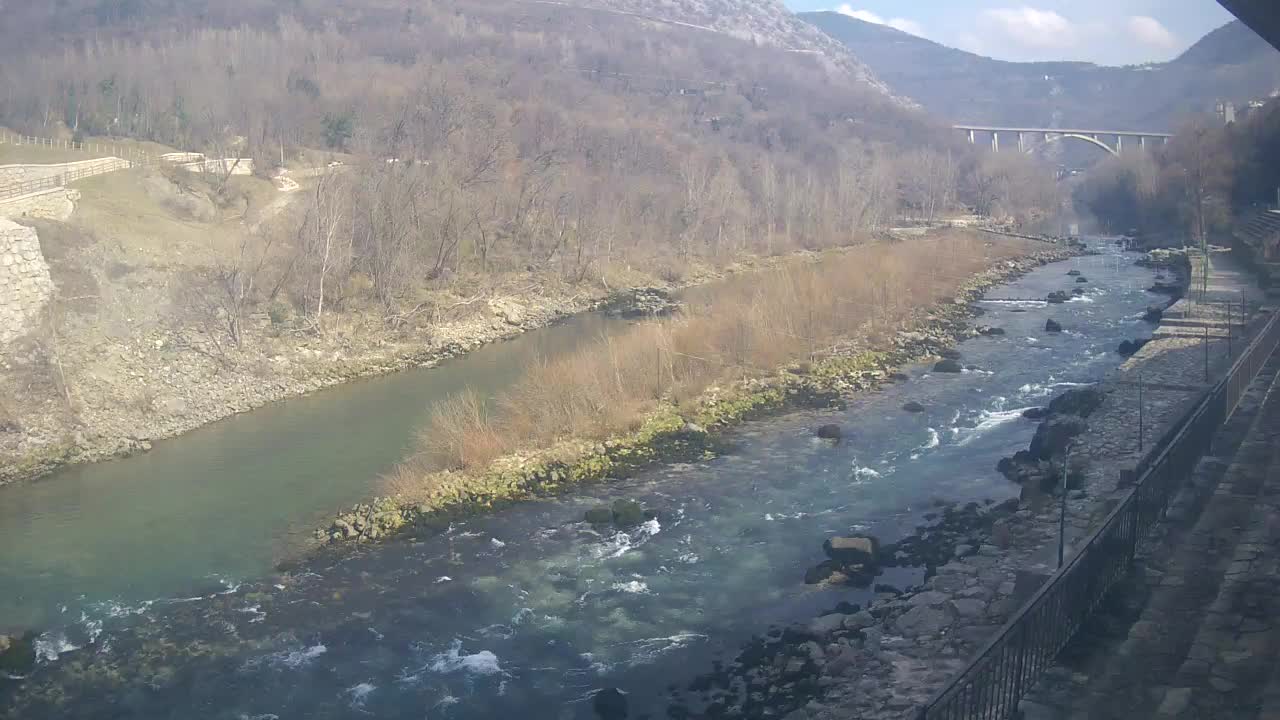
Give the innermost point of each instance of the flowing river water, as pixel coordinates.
(528, 610)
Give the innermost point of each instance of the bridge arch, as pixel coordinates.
(1075, 136)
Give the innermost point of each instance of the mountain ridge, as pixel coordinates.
(1230, 63)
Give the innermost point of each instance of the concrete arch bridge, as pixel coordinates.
(1112, 141)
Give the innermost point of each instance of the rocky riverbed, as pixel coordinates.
(980, 562)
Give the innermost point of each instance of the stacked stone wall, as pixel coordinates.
(25, 285)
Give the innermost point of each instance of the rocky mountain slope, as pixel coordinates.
(1230, 64)
(763, 22)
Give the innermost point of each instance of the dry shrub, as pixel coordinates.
(749, 328)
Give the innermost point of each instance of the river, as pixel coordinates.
(528, 610)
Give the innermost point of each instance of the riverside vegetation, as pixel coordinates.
(463, 169)
(801, 334)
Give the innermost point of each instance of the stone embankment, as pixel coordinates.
(25, 284)
(886, 660)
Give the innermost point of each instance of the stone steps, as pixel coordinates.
(1129, 661)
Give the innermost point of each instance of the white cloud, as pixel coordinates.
(1149, 32)
(907, 26)
(1032, 28)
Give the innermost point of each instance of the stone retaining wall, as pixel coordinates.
(25, 285)
(54, 204)
(13, 174)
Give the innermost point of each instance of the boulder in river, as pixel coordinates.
(1035, 413)
(863, 550)
(17, 654)
(913, 407)
(948, 366)
(642, 302)
(1082, 279)
(950, 354)
(899, 377)
(821, 572)
(1129, 348)
(1054, 436)
(990, 331)
(628, 513)
(1057, 297)
(1154, 314)
(831, 432)
(1081, 401)
(602, 515)
(1052, 326)
(1077, 292)
(610, 704)
(1074, 273)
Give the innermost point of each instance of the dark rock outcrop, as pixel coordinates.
(1036, 413)
(831, 432)
(1052, 326)
(1074, 273)
(1129, 348)
(17, 654)
(949, 354)
(852, 550)
(1154, 314)
(1055, 435)
(1057, 297)
(913, 407)
(948, 366)
(1081, 402)
(599, 515)
(628, 513)
(990, 331)
(1082, 279)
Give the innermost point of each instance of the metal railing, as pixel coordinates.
(80, 171)
(114, 149)
(997, 678)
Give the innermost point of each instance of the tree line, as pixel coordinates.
(477, 138)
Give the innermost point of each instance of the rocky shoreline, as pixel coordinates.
(980, 563)
(176, 390)
(671, 436)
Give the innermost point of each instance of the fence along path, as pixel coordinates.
(117, 157)
(997, 678)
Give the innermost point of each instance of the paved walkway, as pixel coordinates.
(1196, 632)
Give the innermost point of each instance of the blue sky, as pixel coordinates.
(1111, 32)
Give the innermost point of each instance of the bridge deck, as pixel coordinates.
(1062, 131)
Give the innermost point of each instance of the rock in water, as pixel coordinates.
(950, 354)
(1052, 326)
(913, 407)
(948, 366)
(627, 513)
(830, 432)
(1074, 273)
(1035, 413)
(1128, 348)
(599, 515)
(852, 550)
(19, 655)
(1057, 297)
(1054, 435)
(610, 704)
(1154, 314)
(990, 331)
(1082, 279)
(1077, 401)
(821, 572)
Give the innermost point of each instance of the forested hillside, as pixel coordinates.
(525, 130)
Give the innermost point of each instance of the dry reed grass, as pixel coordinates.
(747, 327)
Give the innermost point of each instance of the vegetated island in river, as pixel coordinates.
(666, 390)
